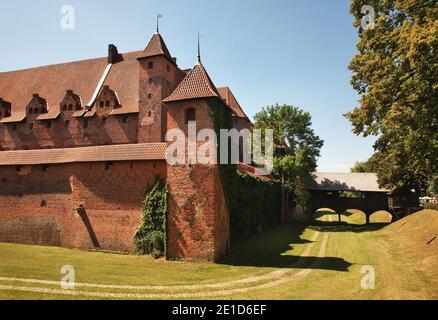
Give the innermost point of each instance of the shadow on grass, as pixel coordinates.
(270, 249)
(343, 226)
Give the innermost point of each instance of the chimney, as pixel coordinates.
(113, 55)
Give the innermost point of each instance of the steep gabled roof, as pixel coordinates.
(231, 101)
(196, 85)
(51, 83)
(156, 47)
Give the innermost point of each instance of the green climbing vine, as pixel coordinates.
(254, 204)
(151, 236)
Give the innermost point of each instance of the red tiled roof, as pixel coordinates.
(231, 101)
(126, 152)
(250, 170)
(156, 47)
(51, 83)
(196, 85)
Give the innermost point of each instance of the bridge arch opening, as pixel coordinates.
(381, 216)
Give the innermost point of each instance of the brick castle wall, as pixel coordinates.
(39, 207)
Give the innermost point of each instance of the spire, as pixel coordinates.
(199, 48)
(158, 22)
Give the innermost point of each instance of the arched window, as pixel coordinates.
(190, 115)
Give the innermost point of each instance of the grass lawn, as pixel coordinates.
(322, 261)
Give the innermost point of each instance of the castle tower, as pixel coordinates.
(198, 219)
(158, 77)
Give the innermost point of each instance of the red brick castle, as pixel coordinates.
(90, 135)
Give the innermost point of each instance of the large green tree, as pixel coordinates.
(296, 146)
(396, 74)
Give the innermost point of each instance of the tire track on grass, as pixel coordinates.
(278, 276)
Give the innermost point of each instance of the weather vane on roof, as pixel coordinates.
(159, 16)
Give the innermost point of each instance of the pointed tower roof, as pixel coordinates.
(156, 47)
(197, 84)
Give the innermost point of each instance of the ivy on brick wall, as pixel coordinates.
(254, 204)
(151, 236)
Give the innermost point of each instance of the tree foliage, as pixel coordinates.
(296, 146)
(396, 74)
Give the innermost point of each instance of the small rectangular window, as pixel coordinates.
(70, 107)
(45, 167)
(66, 123)
(125, 119)
(149, 96)
(64, 107)
(85, 123)
(30, 126)
(49, 124)
(101, 104)
(30, 110)
(107, 104)
(108, 165)
(150, 65)
(14, 127)
(36, 110)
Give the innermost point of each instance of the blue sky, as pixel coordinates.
(286, 51)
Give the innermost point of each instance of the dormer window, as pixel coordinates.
(5, 108)
(107, 100)
(37, 105)
(71, 102)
